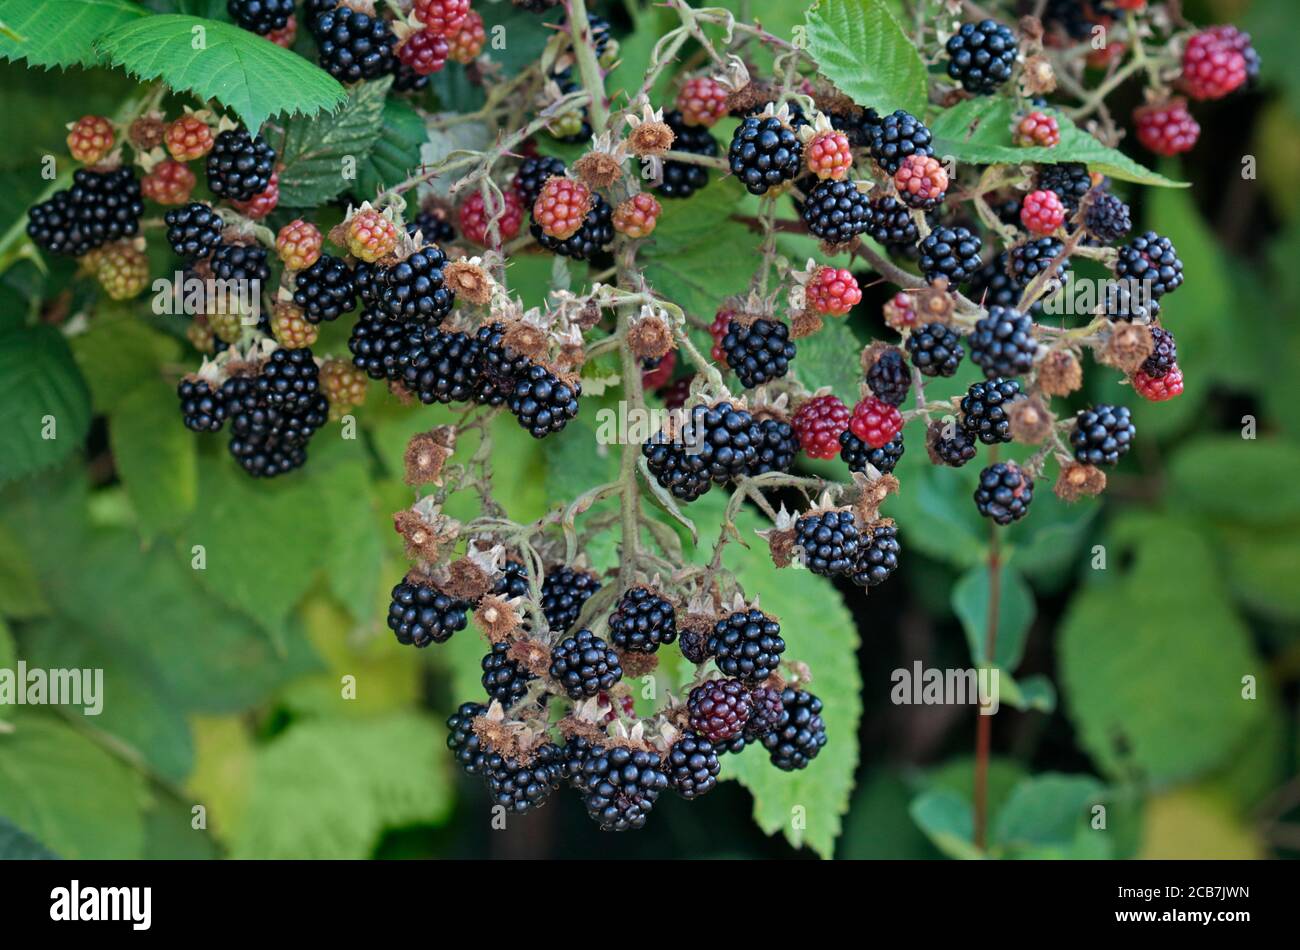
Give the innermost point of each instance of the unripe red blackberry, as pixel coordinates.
(875, 422)
(464, 45)
(818, 424)
(1037, 129)
(833, 291)
(561, 206)
(170, 183)
(719, 709)
(921, 181)
(1213, 66)
(1042, 212)
(371, 235)
(1166, 128)
(298, 243)
(636, 217)
(188, 138)
(90, 139)
(702, 101)
(1159, 388)
(828, 155)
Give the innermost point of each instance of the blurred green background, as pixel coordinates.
(223, 684)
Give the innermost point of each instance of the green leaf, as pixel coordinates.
(861, 48)
(246, 73)
(395, 152)
(118, 352)
(18, 845)
(20, 591)
(827, 358)
(1048, 815)
(328, 788)
(38, 760)
(155, 457)
(39, 382)
(970, 602)
(314, 149)
(1262, 491)
(60, 32)
(1033, 692)
(878, 825)
(978, 131)
(948, 821)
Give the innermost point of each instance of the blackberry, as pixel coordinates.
(681, 472)
(1070, 17)
(521, 784)
(1102, 435)
(621, 786)
(584, 665)
(683, 179)
(1003, 343)
(440, 365)
(289, 381)
(877, 557)
(1004, 493)
(532, 174)
(1070, 181)
(935, 349)
(950, 252)
(722, 442)
(955, 451)
(433, 228)
(897, 136)
(260, 16)
(1153, 261)
(747, 645)
(993, 286)
(836, 211)
(542, 402)
(353, 45)
(759, 352)
(269, 437)
(267, 456)
(777, 447)
(369, 280)
(406, 79)
(513, 581)
(503, 678)
(764, 153)
(828, 540)
(564, 591)
(499, 368)
(1026, 261)
(100, 207)
(889, 378)
(694, 646)
(325, 290)
(239, 165)
(241, 262)
(890, 223)
(421, 614)
(692, 766)
(463, 741)
(765, 714)
(193, 231)
(590, 240)
(854, 125)
(981, 56)
(1108, 218)
(201, 409)
(858, 455)
(413, 288)
(642, 621)
(1165, 355)
(984, 410)
(378, 345)
(1128, 300)
(800, 733)
(719, 709)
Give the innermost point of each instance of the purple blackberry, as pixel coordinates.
(759, 352)
(800, 734)
(765, 714)
(747, 645)
(828, 541)
(1004, 493)
(421, 614)
(935, 349)
(1108, 218)
(719, 709)
(584, 665)
(984, 410)
(1003, 343)
(642, 622)
(1165, 355)
(1102, 434)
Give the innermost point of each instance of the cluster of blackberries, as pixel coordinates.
(100, 207)
(831, 543)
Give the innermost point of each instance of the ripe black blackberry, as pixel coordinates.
(260, 16)
(777, 447)
(765, 152)
(722, 441)
(877, 556)
(1003, 343)
(503, 678)
(836, 211)
(719, 709)
(1004, 493)
(981, 56)
(378, 345)
(584, 665)
(759, 352)
(984, 410)
(433, 228)
(1070, 181)
(828, 540)
(542, 402)
(950, 252)
(692, 766)
(890, 223)
(239, 165)
(463, 741)
(889, 378)
(564, 591)
(897, 136)
(240, 262)
(642, 621)
(682, 473)
(854, 125)
(747, 645)
(201, 408)
(420, 614)
(993, 286)
(193, 231)
(1108, 218)
(518, 784)
(1026, 261)
(406, 79)
(1152, 261)
(954, 450)
(369, 279)
(935, 349)
(440, 365)
(289, 381)
(858, 455)
(694, 645)
(589, 241)
(1127, 301)
(1102, 434)
(267, 441)
(325, 290)
(532, 174)
(267, 455)
(1165, 355)
(621, 786)
(413, 288)
(100, 207)
(353, 45)
(800, 734)
(513, 581)
(683, 179)
(765, 713)
(499, 368)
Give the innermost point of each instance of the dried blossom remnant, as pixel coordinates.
(650, 135)
(427, 535)
(599, 169)
(1077, 481)
(805, 323)
(469, 280)
(636, 664)
(467, 580)
(1030, 420)
(872, 493)
(426, 454)
(524, 338)
(1127, 347)
(498, 618)
(650, 337)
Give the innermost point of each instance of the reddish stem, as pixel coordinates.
(984, 724)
